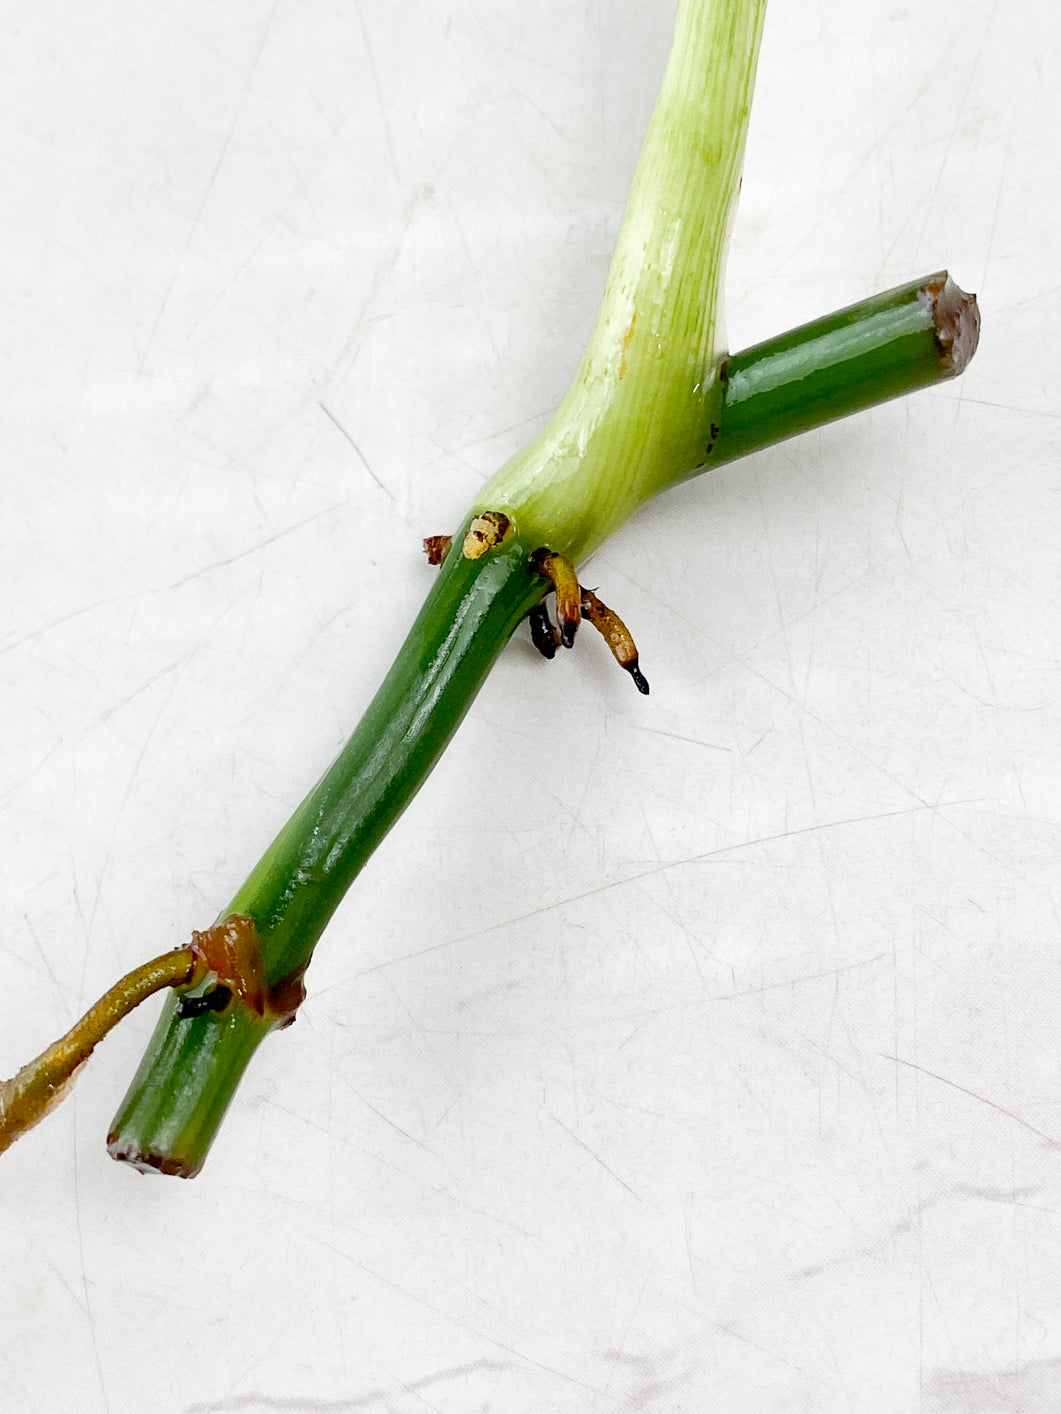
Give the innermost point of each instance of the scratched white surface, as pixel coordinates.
(697, 1053)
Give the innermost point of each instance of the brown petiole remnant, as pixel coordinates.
(436, 548)
(218, 965)
(232, 954)
(485, 533)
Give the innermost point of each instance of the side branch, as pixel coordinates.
(907, 338)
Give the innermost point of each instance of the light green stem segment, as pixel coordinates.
(640, 412)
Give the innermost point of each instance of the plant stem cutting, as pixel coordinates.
(655, 400)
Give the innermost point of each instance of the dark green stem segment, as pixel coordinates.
(468, 617)
(192, 1066)
(891, 344)
(907, 338)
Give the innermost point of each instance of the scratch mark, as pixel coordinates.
(991, 1104)
(250, 550)
(9, 1362)
(360, 454)
(422, 1033)
(63, 619)
(676, 736)
(779, 604)
(381, 103)
(136, 692)
(647, 1382)
(846, 741)
(831, 974)
(209, 190)
(658, 869)
(84, 1277)
(341, 1406)
(39, 632)
(394, 1125)
(482, 1335)
(1011, 407)
(858, 162)
(373, 1156)
(104, 866)
(28, 775)
(690, 1254)
(692, 941)
(593, 1155)
(60, 988)
(959, 114)
(1032, 1385)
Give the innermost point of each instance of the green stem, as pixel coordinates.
(888, 344)
(633, 421)
(919, 333)
(192, 1066)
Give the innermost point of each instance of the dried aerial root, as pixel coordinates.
(543, 631)
(617, 636)
(559, 570)
(573, 603)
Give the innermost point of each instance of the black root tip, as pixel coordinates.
(543, 635)
(640, 681)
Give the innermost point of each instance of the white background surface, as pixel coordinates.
(696, 1053)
